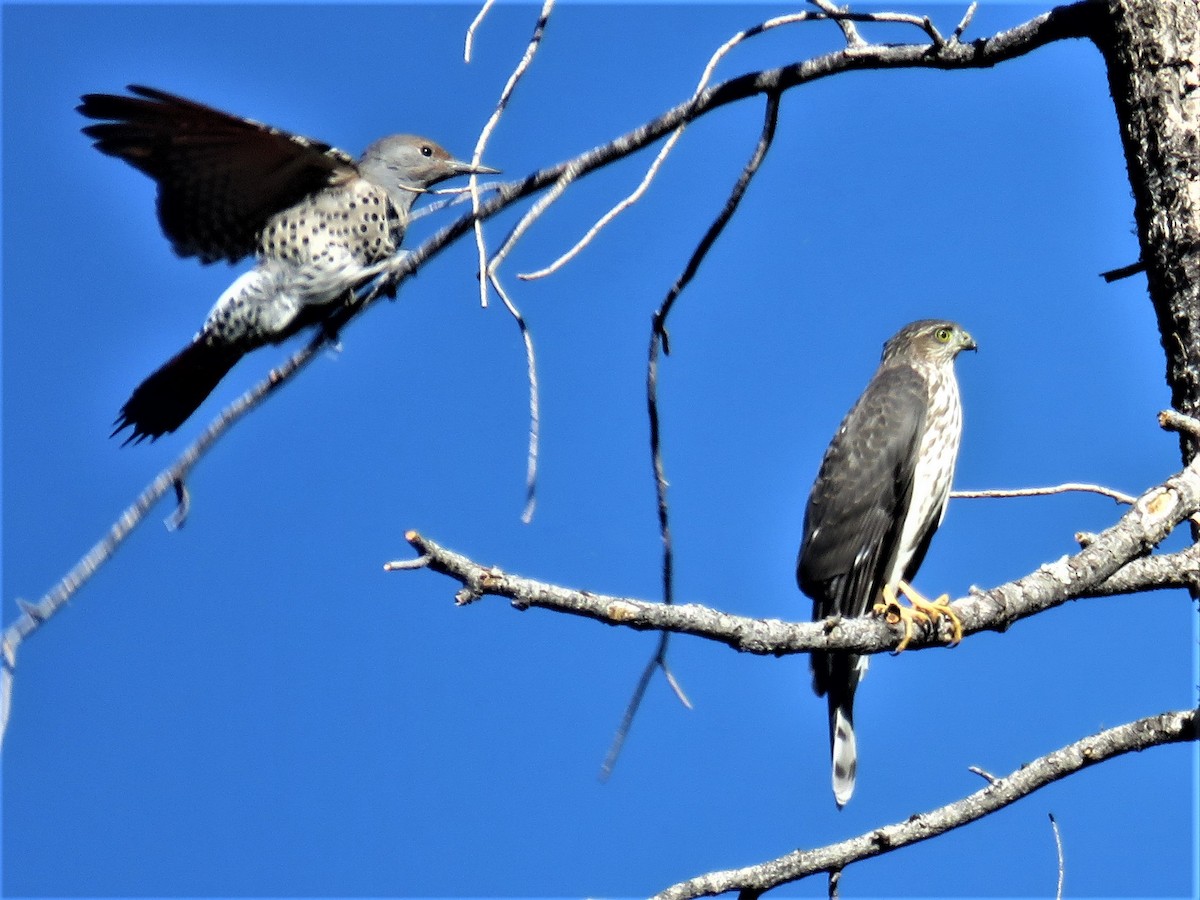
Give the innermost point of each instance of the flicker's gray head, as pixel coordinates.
(405, 163)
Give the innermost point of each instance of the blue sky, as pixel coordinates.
(252, 707)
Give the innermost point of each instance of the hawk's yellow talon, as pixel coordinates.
(920, 610)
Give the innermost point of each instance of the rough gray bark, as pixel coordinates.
(751, 881)
(1152, 52)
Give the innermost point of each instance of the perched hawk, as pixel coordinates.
(879, 497)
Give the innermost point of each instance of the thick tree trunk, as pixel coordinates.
(1152, 51)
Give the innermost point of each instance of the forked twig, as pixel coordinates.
(659, 159)
(487, 273)
(485, 135)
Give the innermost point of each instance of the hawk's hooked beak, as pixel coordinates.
(968, 343)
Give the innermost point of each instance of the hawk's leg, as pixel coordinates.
(921, 610)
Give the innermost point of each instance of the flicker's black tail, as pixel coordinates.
(166, 399)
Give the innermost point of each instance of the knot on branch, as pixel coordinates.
(620, 611)
(1158, 504)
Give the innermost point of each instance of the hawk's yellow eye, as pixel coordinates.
(942, 334)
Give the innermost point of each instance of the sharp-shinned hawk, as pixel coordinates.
(878, 498)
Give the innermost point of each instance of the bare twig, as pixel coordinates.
(983, 773)
(1123, 272)
(398, 565)
(487, 273)
(531, 465)
(1068, 487)
(631, 709)
(1173, 420)
(1059, 850)
(469, 41)
(1153, 731)
(849, 31)
(965, 22)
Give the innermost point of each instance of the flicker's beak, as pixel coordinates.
(465, 168)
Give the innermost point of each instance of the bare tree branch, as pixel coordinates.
(1153, 731)
(1112, 562)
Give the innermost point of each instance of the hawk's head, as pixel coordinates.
(928, 340)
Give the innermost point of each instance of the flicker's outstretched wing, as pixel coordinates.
(220, 177)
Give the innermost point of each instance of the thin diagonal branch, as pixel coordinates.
(1153, 731)
(658, 339)
(534, 405)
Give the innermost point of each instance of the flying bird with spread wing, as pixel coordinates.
(319, 224)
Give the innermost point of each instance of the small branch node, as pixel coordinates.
(1173, 420)
(397, 565)
(835, 878)
(30, 609)
(466, 596)
(675, 685)
(849, 29)
(984, 774)
(183, 504)
(966, 21)
(621, 611)
(1123, 272)
(934, 34)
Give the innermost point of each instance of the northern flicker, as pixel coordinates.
(319, 224)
